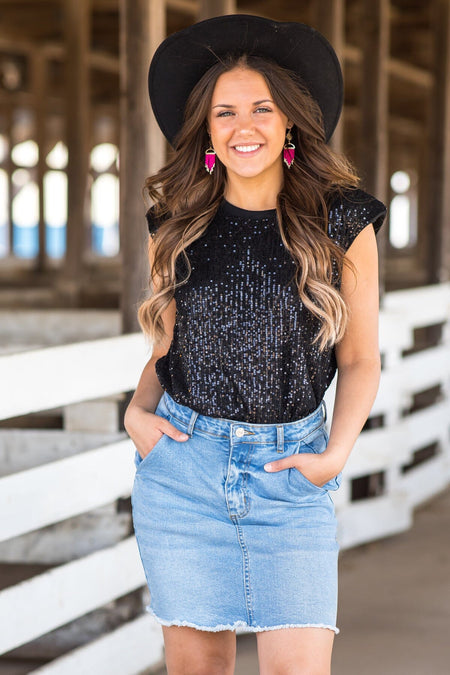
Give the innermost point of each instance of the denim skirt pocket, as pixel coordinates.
(315, 442)
(139, 462)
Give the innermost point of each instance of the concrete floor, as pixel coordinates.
(394, 601)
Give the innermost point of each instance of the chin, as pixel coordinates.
(248, 172)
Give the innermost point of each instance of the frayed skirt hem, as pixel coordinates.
(236, 624)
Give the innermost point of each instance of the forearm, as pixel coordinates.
(356, 389)
(149, 390)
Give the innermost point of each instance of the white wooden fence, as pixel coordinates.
(393, 445)
(31, 499)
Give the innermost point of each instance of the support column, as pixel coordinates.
(211, 8)
(77, 32)
(39, 86)
(142, 28)
(9, 169)
(157, 33)
(373, 154)
(330, 21)
(438, 225)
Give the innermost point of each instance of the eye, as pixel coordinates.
(265, 109)
(224, 113)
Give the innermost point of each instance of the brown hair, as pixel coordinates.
(185, 198)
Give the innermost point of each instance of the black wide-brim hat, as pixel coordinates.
(183, 57)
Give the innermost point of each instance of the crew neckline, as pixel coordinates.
(233, 210)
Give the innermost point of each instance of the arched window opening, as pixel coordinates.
(25, 214)
(55, 213)
(25, 154)
(403, 210)
(4, 234)
(105, 200)
(55, 200)
(25, 191)
(58, 156)
(105, 209)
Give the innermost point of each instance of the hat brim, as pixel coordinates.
(183, 57)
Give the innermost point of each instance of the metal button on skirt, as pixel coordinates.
(225, 543)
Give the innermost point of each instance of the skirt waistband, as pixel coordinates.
(246, 432)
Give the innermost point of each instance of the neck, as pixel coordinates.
(251, 194)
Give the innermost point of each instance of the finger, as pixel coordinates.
(278, 465)
(172, 431)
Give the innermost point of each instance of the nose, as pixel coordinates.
(246, 131)
(245, 124)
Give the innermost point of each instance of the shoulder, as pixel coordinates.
(154, 218)
(350, 211)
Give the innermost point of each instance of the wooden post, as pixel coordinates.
(438, 225)
(373, 153)
(210, 8)
(330, 21)
(142, 28)
(9, 170)
(157, 33)
(77, 30)
(38, 79)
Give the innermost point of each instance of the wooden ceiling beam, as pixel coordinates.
(104, 61)
(410, 73)
(56, 51)
(16, 46)
(96, 59)
(402, 70)
(352, 54)
(396, 123)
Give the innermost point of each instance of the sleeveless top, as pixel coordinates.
(242, 340)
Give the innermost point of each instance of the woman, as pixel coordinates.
(264, 281)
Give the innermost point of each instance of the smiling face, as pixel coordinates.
(247, 128)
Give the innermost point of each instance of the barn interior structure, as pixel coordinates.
(73, 103)
(77, 139)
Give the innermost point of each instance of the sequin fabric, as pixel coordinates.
(242, 342)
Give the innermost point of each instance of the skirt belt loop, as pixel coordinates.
(280, 438)
(192, 421)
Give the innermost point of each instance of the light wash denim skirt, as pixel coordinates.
(225, 543)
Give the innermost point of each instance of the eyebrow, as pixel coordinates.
(226, 105)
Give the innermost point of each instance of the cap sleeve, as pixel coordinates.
(152, 221)
(351, 212)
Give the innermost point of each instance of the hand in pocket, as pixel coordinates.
(319, 469)
(145, 429)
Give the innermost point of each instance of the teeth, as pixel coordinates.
(247, 148)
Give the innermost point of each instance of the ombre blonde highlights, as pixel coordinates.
(185, 198)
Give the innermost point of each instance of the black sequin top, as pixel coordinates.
(242, 341)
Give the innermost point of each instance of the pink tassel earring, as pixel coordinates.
(210, 158)
(288, 150)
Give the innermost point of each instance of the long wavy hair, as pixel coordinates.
(185, 198)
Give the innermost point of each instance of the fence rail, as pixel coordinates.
(31, 499)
